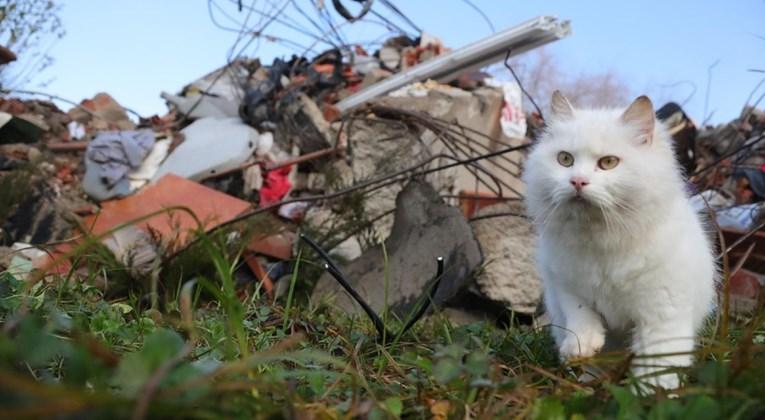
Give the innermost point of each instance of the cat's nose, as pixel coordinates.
(579, 182)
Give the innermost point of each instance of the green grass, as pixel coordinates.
(205, 350)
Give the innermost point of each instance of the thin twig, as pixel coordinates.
(503, 214)
(743, 238)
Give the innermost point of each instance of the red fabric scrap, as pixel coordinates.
(276, 185)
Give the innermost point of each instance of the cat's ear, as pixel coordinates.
(560, 106)
(640, 115)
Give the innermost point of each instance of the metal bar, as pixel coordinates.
(276, 165)
(72, 146)
(446, 67)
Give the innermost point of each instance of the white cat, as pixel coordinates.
(620, 247)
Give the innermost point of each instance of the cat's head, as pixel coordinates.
(599, 162)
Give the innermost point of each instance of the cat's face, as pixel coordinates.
(601, 162)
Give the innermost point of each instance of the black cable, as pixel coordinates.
(395, 10)
(340, 8)
(390, 25)
(523, 89)
(312, 22)
(285, 23)
(382, 331)
(334, 270)
(481, 12)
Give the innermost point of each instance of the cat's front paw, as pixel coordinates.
(583, 344)
(656, 377)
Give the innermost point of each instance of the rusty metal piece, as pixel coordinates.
(260, 273)
(79, 146)
(738, 242)
(303, 158)
(278, 245)
(277, 165)
(6, 55)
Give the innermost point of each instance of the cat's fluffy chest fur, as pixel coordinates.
(619, 245)
(621, 277)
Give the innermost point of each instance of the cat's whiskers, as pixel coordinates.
(626, 215)
(606, 213)
(616, 214)
(545, 214)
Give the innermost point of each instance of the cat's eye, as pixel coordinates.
(608, 162)
(565, 159)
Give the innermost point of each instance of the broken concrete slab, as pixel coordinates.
(378, 146)
(509, 274)
(424, 229)
(478, 112)
(211, 146)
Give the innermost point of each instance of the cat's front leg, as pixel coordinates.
(660, 346)
(583, 334)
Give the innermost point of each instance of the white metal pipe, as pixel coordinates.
(447, 67)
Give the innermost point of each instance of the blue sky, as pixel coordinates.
(135, 49)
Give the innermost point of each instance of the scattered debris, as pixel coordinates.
(408, 143)
(730, 178)
(683, 132)
(746, 290)
(44, 213)
(20, 129)
(102, 113)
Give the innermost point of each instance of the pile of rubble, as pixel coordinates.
(726, 168)
(390, 160)
(349, 146)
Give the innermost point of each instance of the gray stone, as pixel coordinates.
(424, 229)
(509, 273)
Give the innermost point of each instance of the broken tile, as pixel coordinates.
(211, 207)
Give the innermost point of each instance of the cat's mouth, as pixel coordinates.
(580, 200)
